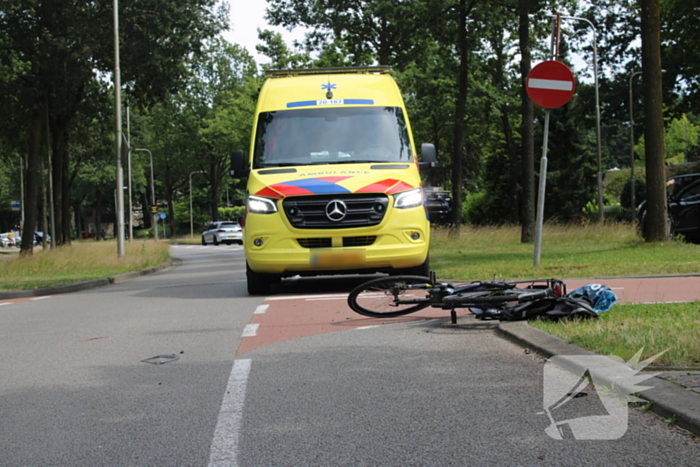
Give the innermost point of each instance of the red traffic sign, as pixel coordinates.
(550, 84)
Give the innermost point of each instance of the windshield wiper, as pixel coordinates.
(355, 161)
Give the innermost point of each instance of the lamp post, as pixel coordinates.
(597, 112)
(154, 221)
(191, 218)
(634, 193)
(118, 133)
(128, 165)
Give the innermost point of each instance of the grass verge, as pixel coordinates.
(79, 262)
(627, 328)
(567, 251)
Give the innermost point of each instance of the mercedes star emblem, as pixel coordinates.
(336, 210)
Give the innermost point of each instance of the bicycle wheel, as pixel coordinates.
(388, 297)
(485, 297)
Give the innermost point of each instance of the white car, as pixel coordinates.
(223, 232)
(6, 241)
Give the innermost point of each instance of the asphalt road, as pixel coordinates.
(291, 379)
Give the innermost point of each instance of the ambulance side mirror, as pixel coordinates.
(239, 167)
(428, 156)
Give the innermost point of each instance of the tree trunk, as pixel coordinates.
(66, 184)
(31, 188)
(511, 149)
(460, 111)
(655, 227)
(43, 223)
(214, 192)
(527, 199)
(57, 156)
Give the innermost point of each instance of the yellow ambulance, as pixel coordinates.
(333, 178)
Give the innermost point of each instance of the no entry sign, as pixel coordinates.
(550, 84)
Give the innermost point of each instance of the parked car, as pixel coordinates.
(5, 241)
(438, 203)
(683, 206)
(38, 236)
(223, 232)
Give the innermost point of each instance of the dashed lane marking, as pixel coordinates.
(251, 330)
(261, 309)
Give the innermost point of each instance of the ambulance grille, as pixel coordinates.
(338, 211)
(315, 242)
(359, 241)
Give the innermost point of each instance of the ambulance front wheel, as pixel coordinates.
(259, 283)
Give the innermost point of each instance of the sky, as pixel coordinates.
(246, 16)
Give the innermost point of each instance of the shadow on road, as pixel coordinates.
(320, 284)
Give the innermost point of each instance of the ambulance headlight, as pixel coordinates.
(409, 199)
(259, 205)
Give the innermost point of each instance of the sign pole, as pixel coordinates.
(543, 161)
(543, 186)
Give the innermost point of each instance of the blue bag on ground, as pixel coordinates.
(600, 295)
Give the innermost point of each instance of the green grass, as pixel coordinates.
(189, 240)
(79, 262)
(627, 328)
(567, 252)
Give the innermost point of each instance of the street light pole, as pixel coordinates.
(118, 133)
(154, 221)
(128, 139)
(597, 112)
(191, 218)
(21, 190)
(634, 194)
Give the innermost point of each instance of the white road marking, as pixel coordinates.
(2, 304)
(251, 330)
(224, 447)
(300, 297)
(557, 85)
(261, 309)
(40, 298)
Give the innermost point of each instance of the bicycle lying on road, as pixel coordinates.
(393, 296)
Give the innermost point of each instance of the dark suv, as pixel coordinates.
(438, 203)
(683, 206)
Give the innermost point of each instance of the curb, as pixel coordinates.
(669, 400)
(85, 285)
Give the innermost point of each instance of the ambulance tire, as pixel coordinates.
(259, 283)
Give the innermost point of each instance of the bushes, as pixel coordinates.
(234, 213)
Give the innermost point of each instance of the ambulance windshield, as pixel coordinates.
(331, 135)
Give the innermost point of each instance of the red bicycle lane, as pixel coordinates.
(647, 289)
(282, 318)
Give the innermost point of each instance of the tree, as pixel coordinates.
(527, 148)
(53, 51)
(383, 30)
(656, 228)
(197, 129)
